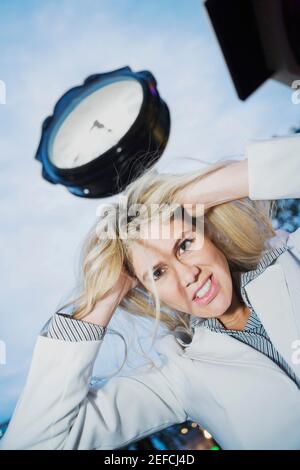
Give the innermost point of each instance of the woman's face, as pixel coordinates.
(181, 264)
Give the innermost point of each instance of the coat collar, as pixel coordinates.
(269, 295)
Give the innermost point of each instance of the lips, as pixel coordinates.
(201, 285)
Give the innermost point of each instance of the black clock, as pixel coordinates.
(105, 133)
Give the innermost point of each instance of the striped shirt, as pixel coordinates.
(254, 333)
(64, 327)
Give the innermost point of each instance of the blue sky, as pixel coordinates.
(48, 47)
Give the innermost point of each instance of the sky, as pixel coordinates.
(48, 47)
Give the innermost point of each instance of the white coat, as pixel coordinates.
(235, 392)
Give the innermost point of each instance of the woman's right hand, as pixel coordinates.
(105, 307)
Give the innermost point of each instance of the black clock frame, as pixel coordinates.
(137, 150)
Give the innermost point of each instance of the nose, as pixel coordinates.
(187, 274)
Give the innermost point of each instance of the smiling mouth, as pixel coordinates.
(209, 291)
(203, 285)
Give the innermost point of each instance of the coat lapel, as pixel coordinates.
(219, 348)
(270, 297)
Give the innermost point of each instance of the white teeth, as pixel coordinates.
(204, 289)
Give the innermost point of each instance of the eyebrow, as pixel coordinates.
(145, 275)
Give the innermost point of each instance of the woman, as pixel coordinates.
(234, 288)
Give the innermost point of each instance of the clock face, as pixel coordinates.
(96, 124)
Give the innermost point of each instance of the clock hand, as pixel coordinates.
(99, 126)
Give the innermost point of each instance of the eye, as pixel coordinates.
(157, 273)
(183, 244)
(154, 274)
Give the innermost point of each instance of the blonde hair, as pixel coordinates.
(239, 228)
